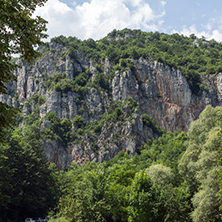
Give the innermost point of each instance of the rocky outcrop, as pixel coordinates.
(160, 92)
(164, 94)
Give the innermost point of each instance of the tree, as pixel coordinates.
(143, 199)
(29, 187)
(219, 176)
(174, 201)
(160, 174)
(20, 33)
(199, 166)
(86, 200)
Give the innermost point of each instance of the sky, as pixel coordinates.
(96, 18)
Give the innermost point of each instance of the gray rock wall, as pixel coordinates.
(161, 92)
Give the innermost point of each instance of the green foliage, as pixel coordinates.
(102, 81)
(59, 129)
(126, 63)
(160, 174)
(28, 186)
(168, 148)
(16, 24)
(63, 86)
(175, 203)
(54, 79)
(175, 51)
(148, 121)
(38, 100)
(132, 103)
(32, 117)
(7, 116)
(143, 199)
(199, 164)
(219, 174)
(146, 187)
(59, 82)
(118, 190)
(88, 202)
(121, 110)
(79, 122)
(118, 113)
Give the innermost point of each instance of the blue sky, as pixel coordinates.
(96, 18)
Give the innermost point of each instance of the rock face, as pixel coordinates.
(160, 92)
(165, 94)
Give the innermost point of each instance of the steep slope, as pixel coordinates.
(90, 108)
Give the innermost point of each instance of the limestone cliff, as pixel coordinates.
(159, 91)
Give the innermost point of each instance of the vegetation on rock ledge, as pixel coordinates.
(175, 51)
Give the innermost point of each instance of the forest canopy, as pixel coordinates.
(176, 177)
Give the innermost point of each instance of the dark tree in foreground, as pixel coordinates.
(28, 184)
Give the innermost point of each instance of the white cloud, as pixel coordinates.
(208, 26)
(163, 3)
(192, 30)
(135, 2)
(217, 35)
(96, 18)
(99, 17)
(141, 16)
(209, 34)
(53, 7)
(58, 16)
